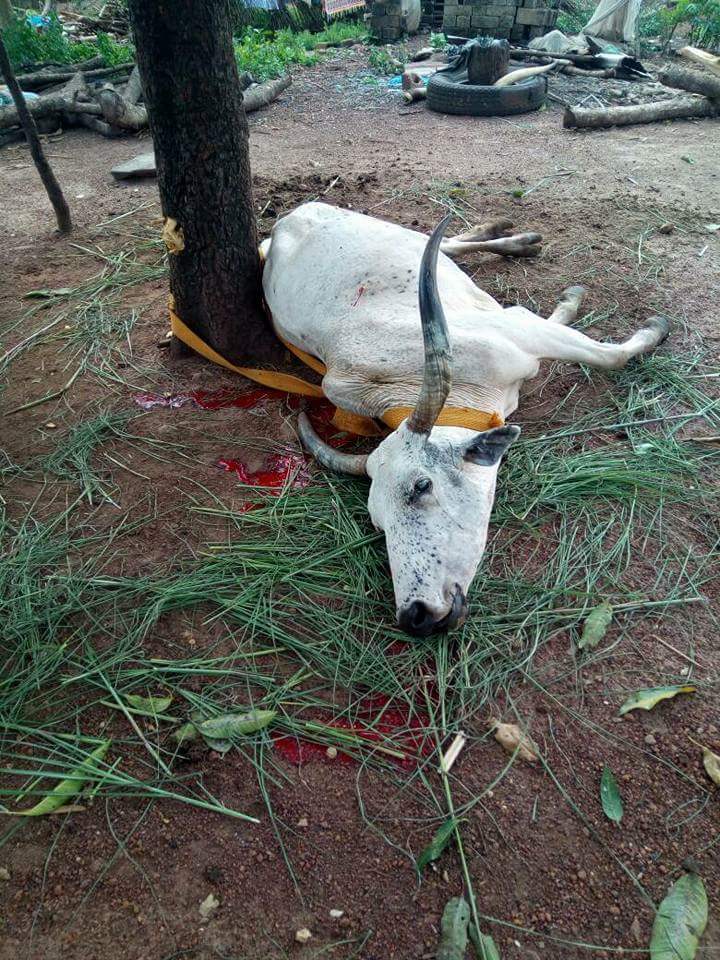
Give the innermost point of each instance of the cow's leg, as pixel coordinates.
(567, 309)
(517, 245)
(564, 343)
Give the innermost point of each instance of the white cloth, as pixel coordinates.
(614, 20)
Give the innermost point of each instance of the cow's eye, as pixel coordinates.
(422, 485)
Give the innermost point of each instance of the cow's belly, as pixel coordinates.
(343, 286)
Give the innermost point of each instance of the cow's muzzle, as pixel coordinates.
(420, 621)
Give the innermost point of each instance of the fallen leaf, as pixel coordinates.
(512, 738)
(186, 733)
(649, 698)
(596, 624)
(680, 920)
(610, 796)
(151, 705)
(712, 227)
(711, 762)
(484, 945)
(4, 873)
(687, 159)
(303, 935)
(45, 292)
(454, 930)
(436, 846)
(65, 789)
(230, 725)
(208, 906)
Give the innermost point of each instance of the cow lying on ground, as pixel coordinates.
(342, 287)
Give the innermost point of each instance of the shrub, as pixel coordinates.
(28, 45)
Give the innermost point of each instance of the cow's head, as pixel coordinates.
(431, 488)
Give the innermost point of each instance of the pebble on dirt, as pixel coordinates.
(303, 935)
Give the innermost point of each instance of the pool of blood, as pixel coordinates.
(380, 720)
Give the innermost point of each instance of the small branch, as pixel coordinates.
(52, 187)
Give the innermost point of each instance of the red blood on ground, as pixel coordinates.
(380, 720)
(280, 469)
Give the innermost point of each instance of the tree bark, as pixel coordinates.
(643, 113)
(200, 132)
(691, 80)
(52, 187)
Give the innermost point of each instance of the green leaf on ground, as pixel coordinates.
(680, 920)
(149, 705)
(454, 930)
(596, 624)
(66, 789)
(436, 846)
(647, 699)
(711, 762)
(231, 725)
(610, 796)
(484, 945)
(46, 293)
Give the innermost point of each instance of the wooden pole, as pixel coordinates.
(642, 113)
(52, 187)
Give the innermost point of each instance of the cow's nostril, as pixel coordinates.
(417, 619)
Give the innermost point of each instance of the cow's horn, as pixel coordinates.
(437, 373)
(354, 463)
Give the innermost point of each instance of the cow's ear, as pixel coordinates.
(487, 448)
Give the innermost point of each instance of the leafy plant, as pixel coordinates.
(388, 62)
(701, 17)
(28, 45)
(438, 41)
(266, 56)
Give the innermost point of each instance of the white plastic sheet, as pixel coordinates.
(614, 20)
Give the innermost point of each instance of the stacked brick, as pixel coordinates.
(518, 20)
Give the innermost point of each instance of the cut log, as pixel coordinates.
(416, 93)
(264, 93)
(702, 57)
(46, 107)
(692, 81)
(118, 112)
(133, 88)
(642, 113)
(42, 79)
(487, 61)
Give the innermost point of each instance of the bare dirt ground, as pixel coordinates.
(625, 213)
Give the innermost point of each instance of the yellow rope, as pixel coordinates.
(343, 419)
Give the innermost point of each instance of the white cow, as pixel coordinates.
(342, 287)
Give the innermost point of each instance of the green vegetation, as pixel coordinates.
(267, 54)
(27, 46)
(388, 61)
(701, 19)
(698, 21)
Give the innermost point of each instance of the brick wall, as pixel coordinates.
(387, 19)
(517, 20)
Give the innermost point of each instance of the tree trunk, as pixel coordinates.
(643, 113)
(705, 59)
(52, 187)
(200, 132)
(488, 61)
(691, 80)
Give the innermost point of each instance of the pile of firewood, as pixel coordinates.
(678, 78)
(85, 97)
